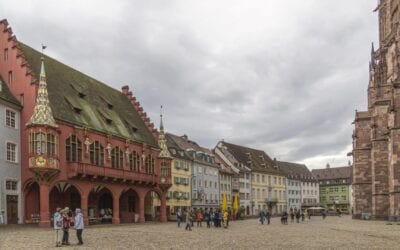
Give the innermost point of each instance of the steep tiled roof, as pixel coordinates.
(332, 173)
(5, 94)
(255, 159)
(78, 99)
(187, 145)
(174, 149)
(296, 171)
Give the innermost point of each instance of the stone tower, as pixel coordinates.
(376, 138)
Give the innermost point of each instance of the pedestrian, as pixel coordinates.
(58, 225)
(225, 217)
(323, 214)
(192, 217)
(207, 217)
(302, 217)
(306, 215)
(79, 225)
(186, 217)
(199, 217)
(219, 218)
(178, 217)
(66, 223)
(262, 217)
(268, 215)
(298, 216)
(212, 217)
(291, 216)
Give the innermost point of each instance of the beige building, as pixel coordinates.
(178, 195)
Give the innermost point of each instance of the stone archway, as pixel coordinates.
(129, 206)
(32, 202)
(100, 205)
(64, 194)
(152, 206)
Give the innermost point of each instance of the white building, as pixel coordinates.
(302, 188)
(10, 168)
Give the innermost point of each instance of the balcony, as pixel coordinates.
(91, 171)
(271, 200)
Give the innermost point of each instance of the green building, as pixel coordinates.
(335, 188)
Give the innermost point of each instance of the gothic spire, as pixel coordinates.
(162, 142)
(42, 113)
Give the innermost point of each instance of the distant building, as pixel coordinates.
(335, 187)
(10, 160)
(178, 196)
(205, 176)
(259, 173)
(302, 188)
(226, 176)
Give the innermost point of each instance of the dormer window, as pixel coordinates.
(106, 116)
(108, 103)
(79, 90)
(74, 104)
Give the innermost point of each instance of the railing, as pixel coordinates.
(75, 169)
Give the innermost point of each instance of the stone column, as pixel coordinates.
(163, 216)
(115, 219)
(44, 206)
(141, 208)
(84, 208)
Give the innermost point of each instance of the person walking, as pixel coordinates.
(225, 217)
(262, 217)
(298, 216)
(186, 217)
(199, 217)
(79, 225)
(178, 217)
(268, 217)
(207, 217)
(66, 224)
(58, 225)
(291, 216)
(212, 217)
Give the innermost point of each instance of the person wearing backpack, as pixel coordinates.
(178, 217)
(57, 220)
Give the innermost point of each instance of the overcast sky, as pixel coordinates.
(283, 76)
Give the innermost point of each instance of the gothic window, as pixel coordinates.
(73, 149)
(96, 153)
(164, 169)
(134, 161)
(43, 144)
(149, 164)
(117, 158)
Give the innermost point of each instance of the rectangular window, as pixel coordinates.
(11, 152)
(6, 54)
(11, 185)
(10, 77)
(10, 118)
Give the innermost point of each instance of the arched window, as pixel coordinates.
(134, 161)
(149, 164)
(43, 144)
(73, 149)
(117, 157)
(97, 153)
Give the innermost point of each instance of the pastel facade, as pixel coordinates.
(11, 200)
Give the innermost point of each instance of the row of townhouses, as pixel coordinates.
(67, 139)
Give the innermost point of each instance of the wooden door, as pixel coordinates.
(12, 209)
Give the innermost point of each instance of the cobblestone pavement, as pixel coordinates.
(333, 233)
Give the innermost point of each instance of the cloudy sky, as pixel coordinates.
(284, 76)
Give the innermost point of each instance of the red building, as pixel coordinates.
(83, 143)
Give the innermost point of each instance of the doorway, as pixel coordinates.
(12, 209)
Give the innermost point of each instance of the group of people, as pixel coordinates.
(63, 221)
(218, 218)
(294, 214)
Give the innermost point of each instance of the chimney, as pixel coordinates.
(327, 165)
(184, 136)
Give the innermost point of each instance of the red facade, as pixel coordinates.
(103, 192)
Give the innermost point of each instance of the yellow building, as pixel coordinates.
(178, 196)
